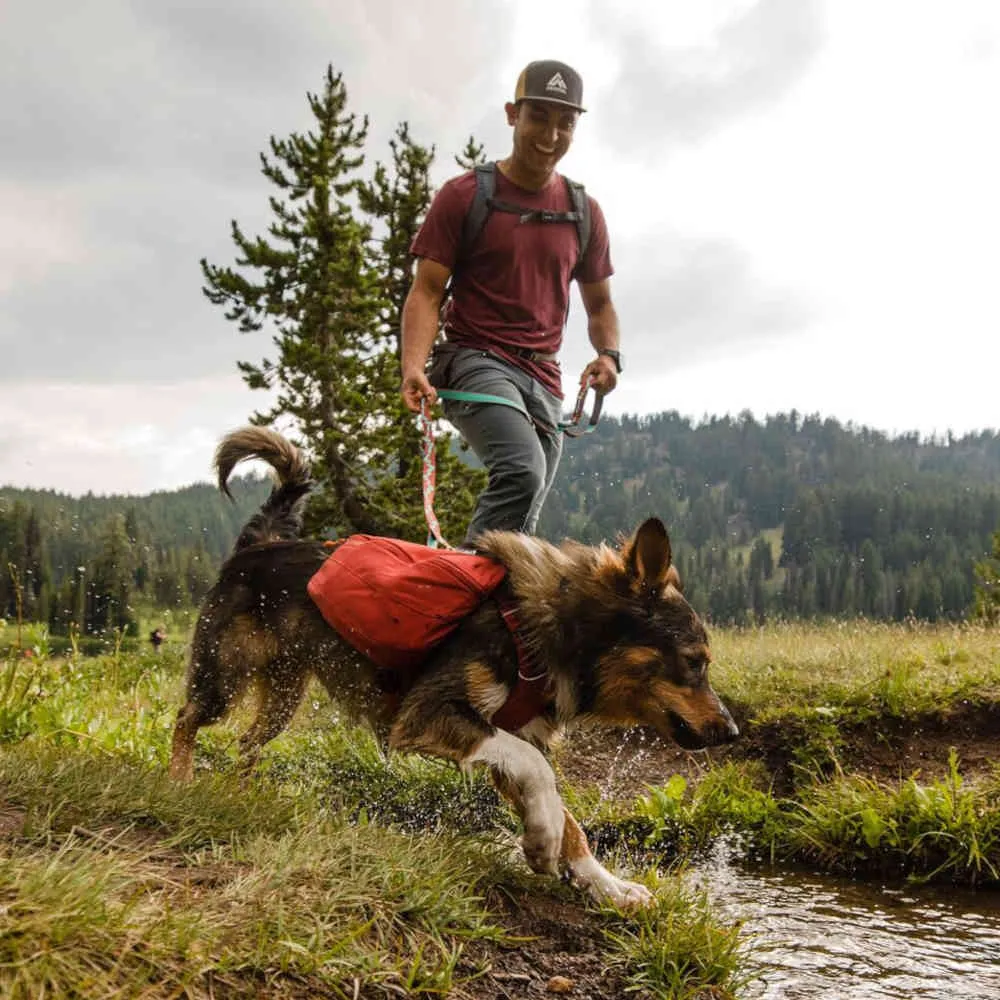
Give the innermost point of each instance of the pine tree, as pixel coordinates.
(110, 587)
(472, 155)
(313, 283)
(987, 606)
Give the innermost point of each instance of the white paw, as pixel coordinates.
(624, 895)
(543, 831)
(606, 888)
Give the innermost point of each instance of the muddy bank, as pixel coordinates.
(621, 764)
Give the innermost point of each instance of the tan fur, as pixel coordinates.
(264, 444)
(574, 842)
(486, 694)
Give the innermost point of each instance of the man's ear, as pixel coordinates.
(511, 108)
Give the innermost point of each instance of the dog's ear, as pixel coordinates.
(647, 556)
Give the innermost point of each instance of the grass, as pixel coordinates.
(336, 872)
(342, 872)
(676, 947)
(941, 829)
(246, 901)
(858, 668)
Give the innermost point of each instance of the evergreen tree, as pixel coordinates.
(314, 284)
(472, 155)
(109, 590)
(987, 605)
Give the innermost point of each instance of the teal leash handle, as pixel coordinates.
(571, 427)
(481, 397)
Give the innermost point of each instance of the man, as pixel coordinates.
(509, 297)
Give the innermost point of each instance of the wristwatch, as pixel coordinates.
(615, 357)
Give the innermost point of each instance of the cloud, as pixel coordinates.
(117, 438)
(681, 301)
(667, 94)
(132, 134)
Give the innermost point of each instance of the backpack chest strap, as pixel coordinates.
(532, 214)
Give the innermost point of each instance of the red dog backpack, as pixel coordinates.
(393, 601)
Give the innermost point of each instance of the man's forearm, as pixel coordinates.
(419, 330)
(602, 328)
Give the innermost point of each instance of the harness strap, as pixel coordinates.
(532, 693)
(532, 214)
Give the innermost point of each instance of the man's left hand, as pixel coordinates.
(600, 375)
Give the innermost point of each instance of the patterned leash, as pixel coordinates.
(574, 427)
(429, 476)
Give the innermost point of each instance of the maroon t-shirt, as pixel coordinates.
(513, 289)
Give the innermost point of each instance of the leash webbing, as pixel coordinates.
(570, 427)
(482, 397)
(429, 477)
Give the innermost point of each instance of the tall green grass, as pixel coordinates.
(337, 871)
(859, 668)
(940, 829)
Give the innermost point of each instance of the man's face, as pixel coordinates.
(542, 133)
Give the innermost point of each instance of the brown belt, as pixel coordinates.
(528, 354)
(520, 352)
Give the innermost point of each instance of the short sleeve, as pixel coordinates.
(596, 264)
(440, 235)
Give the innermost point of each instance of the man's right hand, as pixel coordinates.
(415, 389)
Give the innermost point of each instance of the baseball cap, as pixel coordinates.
(550, 80)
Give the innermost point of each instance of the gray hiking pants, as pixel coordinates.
(521, 455)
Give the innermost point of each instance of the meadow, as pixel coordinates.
(868, 750)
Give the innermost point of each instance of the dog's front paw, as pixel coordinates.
(543, 833)
(608, 889)
(623, 895)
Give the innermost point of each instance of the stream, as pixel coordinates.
(822, 938)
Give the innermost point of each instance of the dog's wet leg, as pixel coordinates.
(200, 710)
(588, 873)
(279, 697)
(215, 683)
(524, 778)
(436, 718)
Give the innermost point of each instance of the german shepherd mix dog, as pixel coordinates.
(620, 644)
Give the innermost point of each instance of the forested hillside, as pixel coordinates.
(787, 516)
(91, 560)
(792, 516)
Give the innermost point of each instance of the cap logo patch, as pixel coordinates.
(557, 84)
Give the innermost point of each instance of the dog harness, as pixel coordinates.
(395, 601)
(532, 693)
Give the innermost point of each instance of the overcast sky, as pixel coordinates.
(803, 198)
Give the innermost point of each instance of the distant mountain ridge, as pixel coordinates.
(790, 515)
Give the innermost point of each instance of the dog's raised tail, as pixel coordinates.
(280, 517)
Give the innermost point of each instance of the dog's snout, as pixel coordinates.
(726, 730)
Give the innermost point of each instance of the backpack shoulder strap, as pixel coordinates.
(479, 210)
(581, 208)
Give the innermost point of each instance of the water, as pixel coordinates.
(820, 938)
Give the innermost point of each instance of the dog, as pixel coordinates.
(610, 626)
